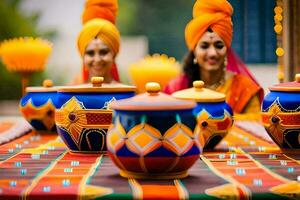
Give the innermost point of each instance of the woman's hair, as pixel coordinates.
(190, 68)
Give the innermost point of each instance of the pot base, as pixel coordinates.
(43, 132)
(176, 175)
(87, 152)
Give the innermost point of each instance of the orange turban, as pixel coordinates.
(104, 9)
(99, 18)
(214, 14)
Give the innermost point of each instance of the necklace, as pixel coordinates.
(216, 85)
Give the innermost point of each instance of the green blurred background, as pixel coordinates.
(14, 23)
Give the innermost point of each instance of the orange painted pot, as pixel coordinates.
(84, 114)
(214, 116)
(152, 136)
(281, 114)
(38, 107)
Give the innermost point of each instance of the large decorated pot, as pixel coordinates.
(214, 116)
(152, 135)
(281, 114)
(84, 115)
(38, 107)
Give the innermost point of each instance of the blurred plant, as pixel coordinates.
(14, 23)
(163, 22)
(127, 16)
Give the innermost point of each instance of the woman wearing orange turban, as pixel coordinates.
(208, 36)
(99, 41)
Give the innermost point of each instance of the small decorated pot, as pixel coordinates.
(152, 136)
(281, 114)
(38, 106)
(214, 116)
(84, 115)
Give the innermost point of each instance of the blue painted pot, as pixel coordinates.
(38, 107)
(84, 115)
(152, 137)
(214, 116)
(281, 114)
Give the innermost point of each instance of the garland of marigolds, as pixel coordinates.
(278, 17)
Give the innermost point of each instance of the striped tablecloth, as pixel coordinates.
(245, 165)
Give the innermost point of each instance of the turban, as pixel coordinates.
(99, 28)
(99, 18)
(104, 9)
(213, 14)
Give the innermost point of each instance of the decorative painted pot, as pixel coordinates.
(38, 106)
(152, 136)
(84, 114)
(214, 116)
(281, 114)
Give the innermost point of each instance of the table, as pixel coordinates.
(245, 165)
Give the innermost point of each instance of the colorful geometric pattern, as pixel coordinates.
(179, 139)
(78, 123)
(209, 128)
(44, 114)
(282, 125)
(115, 140)
(143, 140)
(242, 166)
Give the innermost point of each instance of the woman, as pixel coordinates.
(99, 41)
(208, 36)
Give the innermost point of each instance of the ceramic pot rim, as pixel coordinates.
(41, 89)
(200, 94)
(293, 86)
(104, 88)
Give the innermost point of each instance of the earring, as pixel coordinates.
(195, 61)
(225, 61)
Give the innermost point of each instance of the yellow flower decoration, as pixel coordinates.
(25, 54)
(156, 68)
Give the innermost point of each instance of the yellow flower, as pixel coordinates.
(25, 54)
(156, 68)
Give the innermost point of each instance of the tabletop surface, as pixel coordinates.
(245, 165)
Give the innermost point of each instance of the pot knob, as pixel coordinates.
(97, 81)
(153, 88)
(198, 85)
(297, 78)
(47, 83)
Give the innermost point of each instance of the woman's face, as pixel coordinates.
(210, 52)
(98, 58)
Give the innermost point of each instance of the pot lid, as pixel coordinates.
(152, 99)
(47, 87)
(289, 86)
(97, 85)
(199, 94)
